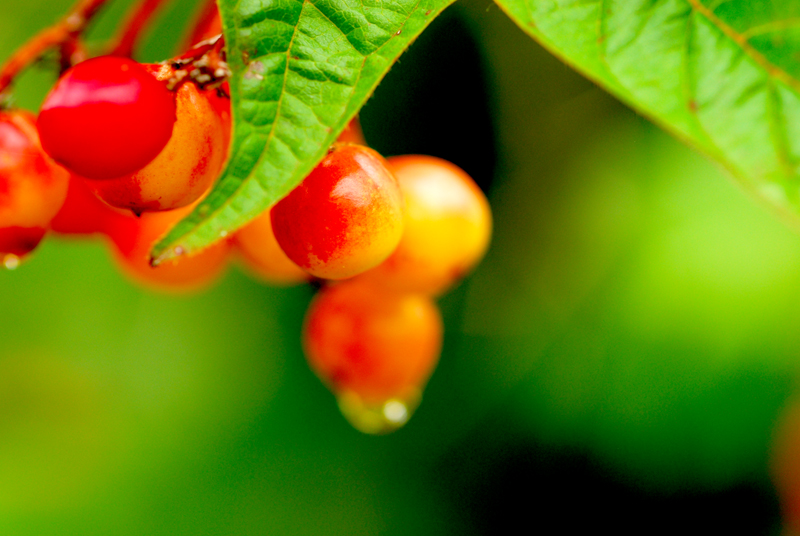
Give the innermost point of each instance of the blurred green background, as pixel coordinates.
(618, 360)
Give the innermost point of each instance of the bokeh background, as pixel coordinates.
(618, 361)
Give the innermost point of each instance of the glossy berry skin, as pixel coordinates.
(32, 186)
(263, 256)
(188, 164)
(448, 226)
(372, 345)
(106, 117)
(344, 218)
(133, 238)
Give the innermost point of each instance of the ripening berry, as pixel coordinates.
(133, 239)
(448, 225)
(344, 218)
(32, 187)
(375, 349)
(263, 256)
(106, 117)
(185, 168)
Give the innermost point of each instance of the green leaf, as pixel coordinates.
(721, 74)
(301, 70)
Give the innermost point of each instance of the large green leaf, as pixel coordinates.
(301, 70)
(721, 74)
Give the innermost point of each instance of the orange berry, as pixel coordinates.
(344, 218)
(185, 168)
(32, 187)
(448, 225)
(133, 239)
(375, 350)
(352, 133)
(262, 254)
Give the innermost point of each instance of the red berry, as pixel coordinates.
(375, 349)
(344, 218)
(106, 117)
(32, 187)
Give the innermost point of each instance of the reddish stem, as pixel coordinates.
(72, 51)
(198, 50)
(68, 28)
(207, 24)
(138, 19)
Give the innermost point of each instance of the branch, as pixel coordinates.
(67, 29)
(136, 23)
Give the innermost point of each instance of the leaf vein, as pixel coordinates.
(740, 40)
(780, 137)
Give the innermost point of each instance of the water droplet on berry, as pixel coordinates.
(10, 261)
(179, 251)
(381, 418)
(223, 234)
(395, 411)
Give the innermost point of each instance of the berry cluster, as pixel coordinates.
(120, 154)
(389, 235)
(119, 148)
(126, 150)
